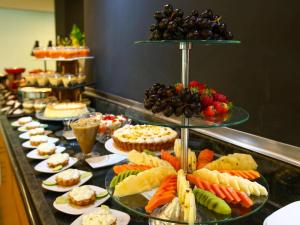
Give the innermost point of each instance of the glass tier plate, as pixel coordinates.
(138, 113)
(65, 59)
(136, 203)
(197, 42)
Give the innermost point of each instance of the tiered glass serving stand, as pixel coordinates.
(237, 115)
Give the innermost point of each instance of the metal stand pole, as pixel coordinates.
(185, 49)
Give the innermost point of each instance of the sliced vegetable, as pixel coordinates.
(205, 157)
(101, 194)
(224, 192)
(164, 194)
(247, 174)
(121, 168)
(49, 183)
(61, 200)
(117, 179)
(173, 160)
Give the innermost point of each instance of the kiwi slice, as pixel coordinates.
(49, 183)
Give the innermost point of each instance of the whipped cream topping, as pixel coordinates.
(69, 174)
(33, 124)
(109, 120)
(101, 216)
(144, 134)
(58, 158)
(46, 147)
(35, 131)
(39, 138)
(81, 193)
(24, 120)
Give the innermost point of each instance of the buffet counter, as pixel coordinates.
(283, 178)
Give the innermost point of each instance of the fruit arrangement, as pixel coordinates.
(172, 25)
(193, 100)
(178, 194)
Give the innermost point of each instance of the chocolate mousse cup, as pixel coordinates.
(85, 131)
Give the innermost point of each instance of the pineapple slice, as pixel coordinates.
(236, 161)
(190, 209)
(192, 158)
(141, 158)
(143, 181)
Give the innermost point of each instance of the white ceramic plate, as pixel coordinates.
(34, 154)
(16, 123)
(122, 218)
(64, 189)
(111, 147)
(26, 136)
(105, 160)
(23, 129)
(77, 210)
(44, 168)
(50, 140)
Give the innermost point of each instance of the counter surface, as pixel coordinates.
(281, 176)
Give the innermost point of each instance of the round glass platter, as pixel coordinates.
(138, 113)
(136, 204)
(197, 42)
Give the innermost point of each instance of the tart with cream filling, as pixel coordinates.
(38, 139)
(68, 178)
(36, 131)
(101, 216)
(65, 110)
(82, 196)
(32, 125)
(25, 120)
(59, 159)
(140, 137)
(46, 149)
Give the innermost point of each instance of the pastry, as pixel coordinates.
(32, 125)
(82, 196)
(36, 131)
(65, 110)
(38, 139)
(68, 177)
(24, 120)
(140, 137)
(59, 159)
(45, 149)
(99, 216)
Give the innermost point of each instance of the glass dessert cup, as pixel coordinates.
(69, 80)
(55, 80)
(85, 131)
(42, 80)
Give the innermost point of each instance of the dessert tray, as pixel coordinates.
(23, 128)
(122, 218)
(75, 210)
(34, 153)
(40, 116)
(111, 147)
(149, 169)
(25, 135)
(50, 185)
(27, 144)
(44, 168)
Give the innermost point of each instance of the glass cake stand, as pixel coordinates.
(136, 203)
(237, 115)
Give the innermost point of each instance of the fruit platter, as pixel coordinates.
(215, 189)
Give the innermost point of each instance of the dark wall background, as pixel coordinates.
(67, 13)
(261, 74)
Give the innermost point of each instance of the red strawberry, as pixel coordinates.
(213, 91)
(206, 99)
(220, 97)
(179, 87)
(193, 83)
(219, 107)
(201, 86)
(209, 111)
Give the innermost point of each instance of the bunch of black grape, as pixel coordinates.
(172, 25)
(169, 100)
